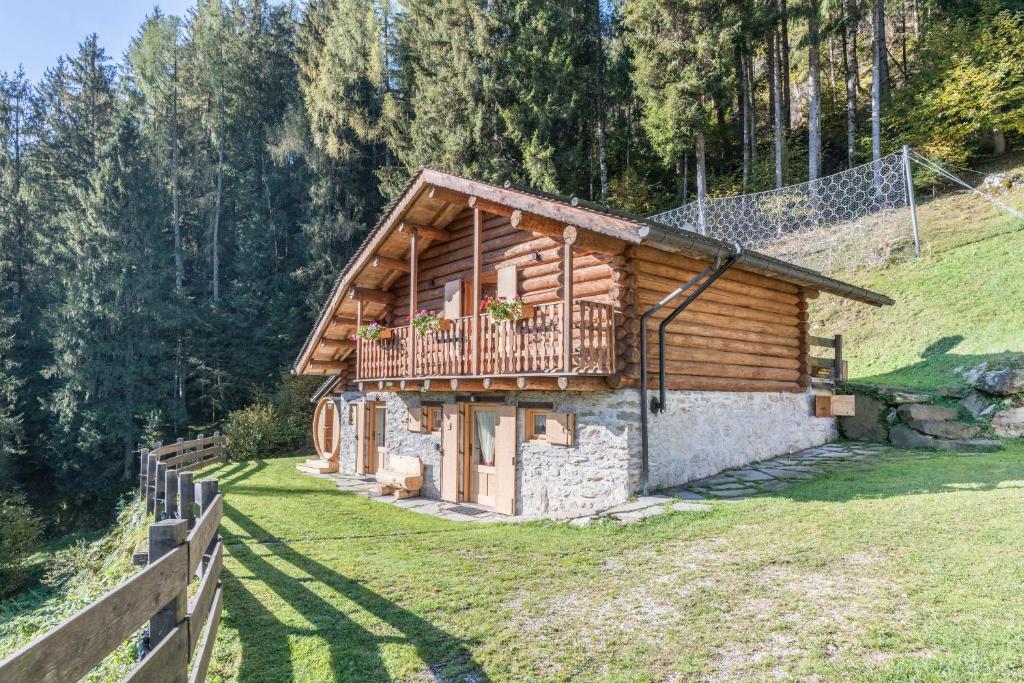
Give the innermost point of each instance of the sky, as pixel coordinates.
(34, 33)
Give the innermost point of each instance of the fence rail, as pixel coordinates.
(182, 628)
(832, 370)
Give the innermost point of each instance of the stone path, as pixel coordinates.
(758, 478)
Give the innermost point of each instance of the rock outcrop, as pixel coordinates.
(1001, 382)
(1009, 423)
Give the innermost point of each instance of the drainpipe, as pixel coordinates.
(706, 277)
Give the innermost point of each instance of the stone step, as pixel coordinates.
(922, 412)
(945, 430)
(905, 437)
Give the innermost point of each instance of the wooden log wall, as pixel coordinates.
(747, 332)
(537, 258)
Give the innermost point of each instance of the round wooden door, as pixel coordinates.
(327, 429)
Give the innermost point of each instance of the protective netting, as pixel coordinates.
(858, 218)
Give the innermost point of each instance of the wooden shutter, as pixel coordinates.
(453, 299)
(361, 446)
(561, 428)
(415, 419)
(450, 452)
(508, 282)
(505, 460)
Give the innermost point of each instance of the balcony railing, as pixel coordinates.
(527, 346)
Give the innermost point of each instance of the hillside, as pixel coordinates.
(960, 305)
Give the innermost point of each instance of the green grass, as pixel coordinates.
(962, 304)
(911, 571)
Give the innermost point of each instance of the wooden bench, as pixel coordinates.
(402, 476)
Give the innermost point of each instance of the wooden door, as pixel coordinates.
(376, 428)
(450, 451)
(505, 460)
(480, 448)
(362, 438)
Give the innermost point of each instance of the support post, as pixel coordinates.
(413, 286)
(567, 266)
(911, 200)
(359, 340)
(478, 229)
(164, 537)
(151, 481)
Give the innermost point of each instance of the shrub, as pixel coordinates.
(252, 432)
(20, 529)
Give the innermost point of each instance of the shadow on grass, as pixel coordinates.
(937, 365)
(354, 651)
(916, 473)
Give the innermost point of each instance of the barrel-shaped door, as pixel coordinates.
(327, 429)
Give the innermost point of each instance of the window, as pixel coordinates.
(380, 426)
(434, 418)
(536, 424)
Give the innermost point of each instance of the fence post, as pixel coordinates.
(909, 176)
(837, 369)
(158, 493)
(186, 499)
(143, 471)
(165, 536)
(151, 482)
(170, 493)
(206, 491)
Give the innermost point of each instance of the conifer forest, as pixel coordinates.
(172, 217)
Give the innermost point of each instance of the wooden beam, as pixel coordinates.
(459, 384)
(442, 194)
(587, 242)
(408, 385)
(343, 321)
(535, 223)
(326, 367)
(488, 206)
(478, 264)
(424, 231)
(364, 295)
(337, 344)
(385, 263)
(359, 342)
(500, 383)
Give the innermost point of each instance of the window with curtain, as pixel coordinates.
(381, 427)
(485, 422)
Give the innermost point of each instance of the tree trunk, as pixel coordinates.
(686, 177)
(881, 46)
(787, 108)
(752, 109)
(702, 182)
(602, 148)
(851, 67)
(998, 142)
(217, 201)
(741, 76)
(877, 77)
(780, 129)
(814, 93)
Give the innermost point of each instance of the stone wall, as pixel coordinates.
(704, 432)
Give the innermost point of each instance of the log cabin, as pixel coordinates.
(643, 356)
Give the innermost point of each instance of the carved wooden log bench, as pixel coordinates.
(402, 476)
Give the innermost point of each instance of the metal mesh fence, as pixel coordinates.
(854, 219)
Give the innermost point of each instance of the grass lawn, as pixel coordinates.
(912, 571)
(963, 303)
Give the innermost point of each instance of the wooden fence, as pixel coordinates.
(832, 370)
(182, 628)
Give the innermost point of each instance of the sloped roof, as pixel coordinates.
(583, 214)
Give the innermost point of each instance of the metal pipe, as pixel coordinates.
(644, 442)
(720, 269)
(908, 174)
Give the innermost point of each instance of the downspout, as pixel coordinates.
(709, 275)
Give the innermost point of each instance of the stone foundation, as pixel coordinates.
(700, 434)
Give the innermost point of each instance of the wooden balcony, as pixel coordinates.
(529, 346)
